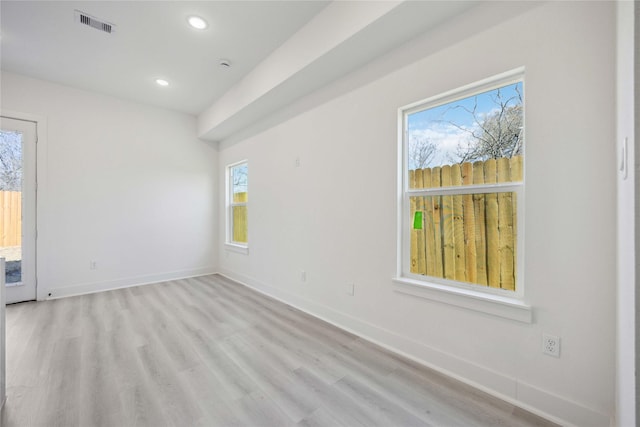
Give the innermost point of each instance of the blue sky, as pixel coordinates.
(438, 124)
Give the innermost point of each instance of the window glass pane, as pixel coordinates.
(11, 203)
(468, 238)
(239, 182)
(240, 229)
(484, 126)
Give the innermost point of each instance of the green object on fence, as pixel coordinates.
(417, 220)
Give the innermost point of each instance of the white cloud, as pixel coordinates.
(447, 139)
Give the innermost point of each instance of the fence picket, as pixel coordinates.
(413, 266)
(505, 228)
(240, 228)
(516, 168)
(480, 225)
(516, 175)
(421, 265)
(469, 225)
(448, 244)
(5, 217)
(458, 227)
(17, 218)
(10, 218)
(491, 220)
(436, 181)
(429, 232)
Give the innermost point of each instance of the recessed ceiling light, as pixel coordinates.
(162, 82)
(197, 22)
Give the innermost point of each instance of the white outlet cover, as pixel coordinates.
(551, 345)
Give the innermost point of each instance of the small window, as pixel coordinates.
(237, 200)
(462, 188)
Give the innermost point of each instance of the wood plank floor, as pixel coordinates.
(209, 352)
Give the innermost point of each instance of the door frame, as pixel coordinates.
(627, 325)
(41, 193)
(25, 288)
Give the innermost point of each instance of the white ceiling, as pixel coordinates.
(151, 39)
(279, 50)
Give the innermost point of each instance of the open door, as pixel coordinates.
(18, 140)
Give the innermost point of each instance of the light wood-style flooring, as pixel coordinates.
(210, 352)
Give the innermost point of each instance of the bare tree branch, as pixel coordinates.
(421, 152)
(10, 161)
(498, 134)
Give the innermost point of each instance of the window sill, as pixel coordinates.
(497, 305)
(240, 249)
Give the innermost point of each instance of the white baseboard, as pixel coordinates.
(127, 282)
(545, 404)
(567, 411)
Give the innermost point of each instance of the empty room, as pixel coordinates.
(318, 213)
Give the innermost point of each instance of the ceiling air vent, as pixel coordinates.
(94, 22)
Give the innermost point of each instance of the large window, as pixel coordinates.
(462, 187)
(237, 199)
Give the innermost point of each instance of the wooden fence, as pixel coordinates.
(472, 237)
(240, 226)
(10, 218)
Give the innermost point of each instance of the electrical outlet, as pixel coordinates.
(551, 345)
(303, 276)
(93, 265)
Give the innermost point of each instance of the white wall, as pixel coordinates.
(126, 185)
(335, 215)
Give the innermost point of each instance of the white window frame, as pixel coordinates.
(500, 302)
(230, 244)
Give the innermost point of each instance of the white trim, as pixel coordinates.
(484, 85)
(510, 389)
(41, 196)
(497, 305)
(626, 354)
(230, 204)
(127, 282)
(450, 291)
(466, 189)
(234, 247)
(3, 339)
(26, 289)
(401, 178)
(14, 284)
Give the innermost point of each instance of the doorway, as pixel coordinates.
(18, 145)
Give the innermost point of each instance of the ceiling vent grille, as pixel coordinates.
(91, 21)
